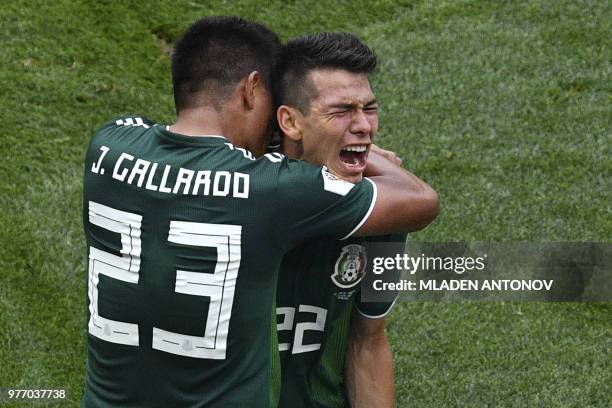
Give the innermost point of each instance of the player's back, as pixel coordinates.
(183, 250)
(163, 270)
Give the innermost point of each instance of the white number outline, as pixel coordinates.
(287, 324)
(124, 268)
(300, 328)
(219, 286)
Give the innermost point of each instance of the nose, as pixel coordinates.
(360, 123)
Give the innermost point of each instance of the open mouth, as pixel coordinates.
(355, 156)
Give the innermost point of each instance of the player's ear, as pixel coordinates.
(249, 93)
(289, 122)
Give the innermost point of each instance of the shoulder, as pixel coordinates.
(284, 172)
(122, 123)
(294, 174)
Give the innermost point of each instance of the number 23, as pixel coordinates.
(218, 286)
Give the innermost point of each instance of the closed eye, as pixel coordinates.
(340, 112)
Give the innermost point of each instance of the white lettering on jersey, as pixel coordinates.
(150, 185)
(184, 177)
(245, 153)
(274, 157)
(288, 314)
(219, 189)
(97, 166)
(131, 122)
(224, 183)
(202, 178)
(218, 287)
(241, 185)
(116, 175)
(140, 169)
(162, 186)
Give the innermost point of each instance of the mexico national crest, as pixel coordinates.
(350, 266)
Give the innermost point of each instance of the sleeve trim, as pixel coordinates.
(374, 196)
(380, 316)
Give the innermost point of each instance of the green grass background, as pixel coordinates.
(503, 106)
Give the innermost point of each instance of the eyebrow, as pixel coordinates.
(352, 105)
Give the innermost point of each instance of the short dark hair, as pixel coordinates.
(215, 53)
(301, 55)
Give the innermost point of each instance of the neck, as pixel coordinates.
(291, 148)
(204, 120)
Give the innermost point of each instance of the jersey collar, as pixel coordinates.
(165, 132)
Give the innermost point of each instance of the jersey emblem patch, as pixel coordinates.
(350, 266)
(335, 184)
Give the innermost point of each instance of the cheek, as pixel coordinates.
(374, 123)
(318, 146)
(338, 128)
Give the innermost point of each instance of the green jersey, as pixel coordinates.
(318, 285)
(185, 237)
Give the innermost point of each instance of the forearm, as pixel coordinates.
(369, 374)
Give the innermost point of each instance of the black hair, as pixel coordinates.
(215, 53)
(301, 55)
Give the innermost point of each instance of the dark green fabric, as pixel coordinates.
(282, 195)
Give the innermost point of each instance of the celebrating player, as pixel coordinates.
(186, 230)
(329, 116)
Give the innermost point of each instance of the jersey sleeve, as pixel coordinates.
(312, 202)
(386, 246)
(373, 310)
(129, 120)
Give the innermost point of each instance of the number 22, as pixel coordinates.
(288, 314)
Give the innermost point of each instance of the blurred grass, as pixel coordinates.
(503, 106)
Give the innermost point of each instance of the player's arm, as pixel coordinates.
(315, 203)
(369, 364)
(404, 202)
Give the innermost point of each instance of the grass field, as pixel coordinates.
(504, 107)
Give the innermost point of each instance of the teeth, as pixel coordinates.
(355, 148)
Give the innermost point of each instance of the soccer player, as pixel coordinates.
(329, 117)
(186, 230)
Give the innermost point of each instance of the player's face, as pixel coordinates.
(341, 123)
